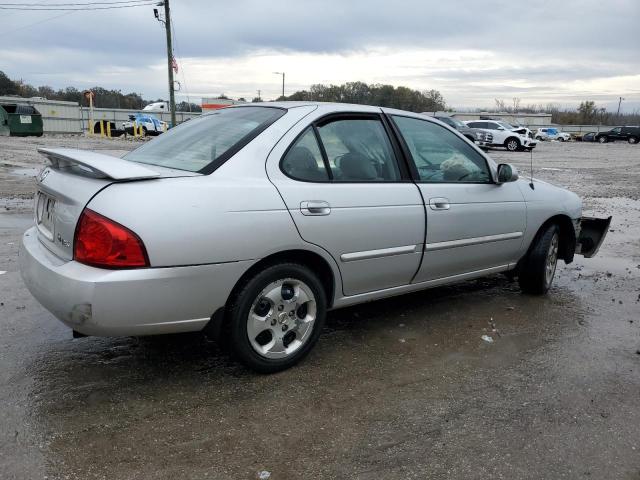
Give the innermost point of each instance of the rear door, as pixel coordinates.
(473, 224)
(348, 192)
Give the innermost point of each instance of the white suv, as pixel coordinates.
(506, 135)
(552, 134)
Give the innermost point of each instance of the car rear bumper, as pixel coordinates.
(148, 301)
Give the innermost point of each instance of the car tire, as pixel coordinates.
(538, 268)
(512, 144)
(632, 140)
(561, 139)
(290, 328)
(539, 138)
(603, 139)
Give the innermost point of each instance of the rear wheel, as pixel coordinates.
(512, 144)
(539, 267)
(276, 317)
(561, 139)
(633, 140)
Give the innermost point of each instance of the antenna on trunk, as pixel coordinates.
(531, 170)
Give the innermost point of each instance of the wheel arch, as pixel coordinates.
(313, 260)
(329, 278)
(567, 236)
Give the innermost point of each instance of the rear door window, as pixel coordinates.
(359, 150)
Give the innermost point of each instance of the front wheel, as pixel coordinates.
(276, 317)
(633, 140)
(603, 139)
(561, 139)
(539, 266)
(512, 144)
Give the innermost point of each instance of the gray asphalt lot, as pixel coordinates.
(395, 389)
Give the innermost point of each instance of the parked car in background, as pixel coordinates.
(630, 134)
(587, 137)
(482, 138)
(506, 135)
(150, 124)
(254, 220)
(552, 134)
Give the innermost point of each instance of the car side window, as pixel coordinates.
(439, 155)
(303, 161)
(359, 150)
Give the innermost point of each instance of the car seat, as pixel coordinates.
(300, 163)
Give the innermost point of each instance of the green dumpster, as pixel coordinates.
(22, 120)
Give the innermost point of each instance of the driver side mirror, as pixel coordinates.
(507, 173)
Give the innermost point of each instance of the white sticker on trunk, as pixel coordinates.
(25, 118)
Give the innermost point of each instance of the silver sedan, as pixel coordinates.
(253, 221)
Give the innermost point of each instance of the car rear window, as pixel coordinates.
(205, 143)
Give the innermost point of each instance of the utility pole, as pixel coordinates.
(259, 97)
(167, 26)
(281, 73)
(619, 102)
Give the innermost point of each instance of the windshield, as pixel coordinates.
(202, 144)
(506, 125)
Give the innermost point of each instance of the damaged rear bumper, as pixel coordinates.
(590, 233)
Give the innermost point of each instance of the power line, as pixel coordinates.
(68, 4)
(38, 23)
(76, 9)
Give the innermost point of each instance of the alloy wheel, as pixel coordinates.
(552, 260)
(281, 318)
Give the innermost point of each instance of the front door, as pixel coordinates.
(473, 224)
(347, 192)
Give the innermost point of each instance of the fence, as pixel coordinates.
(119, 115)
(69, 117)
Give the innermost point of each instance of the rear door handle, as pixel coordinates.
(439, 203)
(315, 207)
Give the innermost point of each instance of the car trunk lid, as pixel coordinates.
(71, 180)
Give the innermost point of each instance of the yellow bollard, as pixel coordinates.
(108, 129)
(135, 130)
(101, 129)
(91, 126)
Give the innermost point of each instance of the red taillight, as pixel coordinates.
(101, 242)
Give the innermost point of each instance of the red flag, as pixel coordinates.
(174, 64)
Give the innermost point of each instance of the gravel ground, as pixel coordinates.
(395, 389)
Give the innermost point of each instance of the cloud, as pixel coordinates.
(470, 51)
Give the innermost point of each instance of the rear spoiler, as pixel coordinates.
(97, 164)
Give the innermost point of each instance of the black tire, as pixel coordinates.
(512, 144)
(603, 139)
(561, 139)
(632, 140)
(533, 272)
(241, 306)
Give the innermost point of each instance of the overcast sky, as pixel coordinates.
(561, 51)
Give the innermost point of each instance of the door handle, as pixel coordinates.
(439, 203)
(315, 207)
